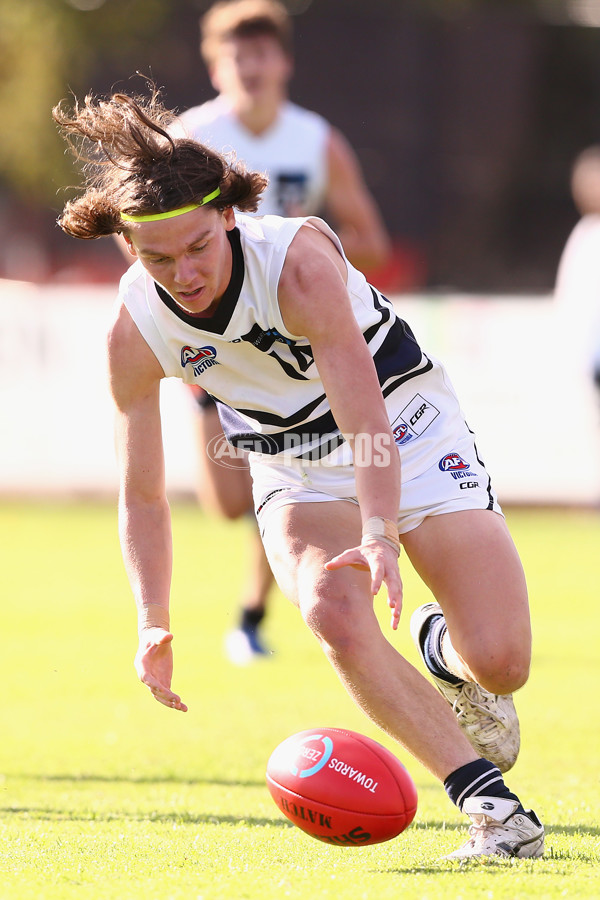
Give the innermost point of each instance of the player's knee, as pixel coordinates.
(328, 623)
(233, 510)
(230, 507)
(502, 673)
(329, 617)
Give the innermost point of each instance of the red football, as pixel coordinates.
(341, 787)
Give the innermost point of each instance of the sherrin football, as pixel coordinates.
(341, 787)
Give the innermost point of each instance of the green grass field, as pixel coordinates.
(106, 794)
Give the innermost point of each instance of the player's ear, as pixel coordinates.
(228, 218)
(128, 244)
(125, 246)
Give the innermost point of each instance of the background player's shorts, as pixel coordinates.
(441, 468)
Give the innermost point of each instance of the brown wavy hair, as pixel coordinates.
(132, 163)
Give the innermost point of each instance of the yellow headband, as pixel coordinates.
(155, 217)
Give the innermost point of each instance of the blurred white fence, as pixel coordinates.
(519, 365)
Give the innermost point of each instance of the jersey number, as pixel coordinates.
(264, 340)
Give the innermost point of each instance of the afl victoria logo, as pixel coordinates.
(452, 462)
(199, 358)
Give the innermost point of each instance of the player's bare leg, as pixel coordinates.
(479, 651)
(244, 644)
(223, 489)
(471, 565)
(227, 490)
(258, 578)
(338, 608)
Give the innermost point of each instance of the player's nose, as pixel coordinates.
(184, 271)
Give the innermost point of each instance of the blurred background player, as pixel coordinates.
(578, 279)
(247, 48)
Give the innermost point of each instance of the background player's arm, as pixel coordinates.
(352, 208)
(315, 303)
(144, 516)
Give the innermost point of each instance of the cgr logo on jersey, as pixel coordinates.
(199, 359)
(415, 418)
(456, 465)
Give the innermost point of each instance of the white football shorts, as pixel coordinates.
(442, 471)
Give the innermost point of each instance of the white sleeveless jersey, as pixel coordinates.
(577, 289)
(293, 152)
(264, 379)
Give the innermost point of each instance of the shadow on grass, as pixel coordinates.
(188, 818)
(46, 814)
(142, 779)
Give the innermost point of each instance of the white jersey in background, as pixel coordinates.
(293, 152)
(577, 291)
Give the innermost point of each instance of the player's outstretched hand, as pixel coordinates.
(381, 560)
(154, 665)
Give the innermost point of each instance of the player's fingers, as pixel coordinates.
(395, 600)
(163, 694)
(174, 703)
(352, 557)
(377, 568)
(396, 610)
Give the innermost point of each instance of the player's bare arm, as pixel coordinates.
(358, 222)
(144, 517)
(315, 303)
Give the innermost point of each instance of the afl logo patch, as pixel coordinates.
(452, 462)
(199, 358)
(402, 434)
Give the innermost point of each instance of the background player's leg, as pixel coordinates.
(227, 491)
